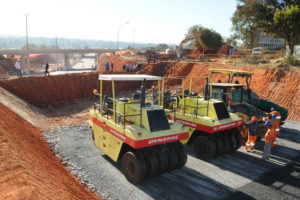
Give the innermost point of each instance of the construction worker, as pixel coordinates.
(273, 111)
(269, 138)
(252, 133)
(275, 126)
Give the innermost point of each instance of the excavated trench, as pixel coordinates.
(279, 85)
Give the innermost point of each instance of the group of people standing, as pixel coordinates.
(132, 68)
(272, 122)
(126, 68)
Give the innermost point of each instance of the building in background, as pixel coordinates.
(267, 42)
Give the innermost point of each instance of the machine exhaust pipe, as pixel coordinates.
(143, 94)
(206, 90)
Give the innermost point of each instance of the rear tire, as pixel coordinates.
(93, 136)
(134, 169)
(227, 145)
(153, 167)
(202, 148)
(220, 146)
(233, 142)
(182, 156)
(173, 159)
(164, 161)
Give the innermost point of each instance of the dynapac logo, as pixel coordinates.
(186, 123)
(122, 137)
(226, 125)
(164, 139)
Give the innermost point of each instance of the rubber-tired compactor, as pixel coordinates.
(135, 133)
(213, 131)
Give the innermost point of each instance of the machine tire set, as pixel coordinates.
(147, 138)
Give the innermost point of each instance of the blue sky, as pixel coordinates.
(155, 21)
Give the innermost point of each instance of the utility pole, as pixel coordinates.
(28, 60)
(133, 39)
(118, 33)
(56, 54)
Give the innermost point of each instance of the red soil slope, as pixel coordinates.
(282, 86)
(28, 169)
(279, 85)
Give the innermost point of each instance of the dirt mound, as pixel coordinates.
(28, 168)
(7, 64)
(224, 50)
(219, 51)
(282, 86)
(117, 60)
(124, 52)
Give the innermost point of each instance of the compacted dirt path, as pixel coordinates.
(28, 168)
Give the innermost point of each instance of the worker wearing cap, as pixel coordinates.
(269, 138)
(275, 126)
(252, 133)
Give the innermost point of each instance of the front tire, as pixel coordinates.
(133, 168)
(202, 148)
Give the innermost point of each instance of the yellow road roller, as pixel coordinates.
(135, 133)
(212, 129)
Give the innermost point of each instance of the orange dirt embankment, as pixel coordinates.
(28, 168)
(59, 90)
(116, 60)
(282, 86)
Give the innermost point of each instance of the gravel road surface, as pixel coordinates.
(239, 175)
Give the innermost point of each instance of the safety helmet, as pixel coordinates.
(268, 123)
(272, 109)
(274, 116)
(253, 119)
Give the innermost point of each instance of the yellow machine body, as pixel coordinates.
(129, 123)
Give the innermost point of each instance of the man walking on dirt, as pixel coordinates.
(46, 69)
(112, 66)
(18, 67)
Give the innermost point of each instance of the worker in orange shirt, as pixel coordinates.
(252, 133)
(275, 126)
(278, 116)
(269, 138)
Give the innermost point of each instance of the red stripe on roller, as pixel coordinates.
(208, 129)
(141, 143)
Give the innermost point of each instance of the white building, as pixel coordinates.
(268, 42)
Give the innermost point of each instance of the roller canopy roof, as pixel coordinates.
(128, 77)
(230, 71)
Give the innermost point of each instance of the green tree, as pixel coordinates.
(287, 25)
(232, 40)
(245, 23)
(201, 37)
(162, 47)
(279, 18)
